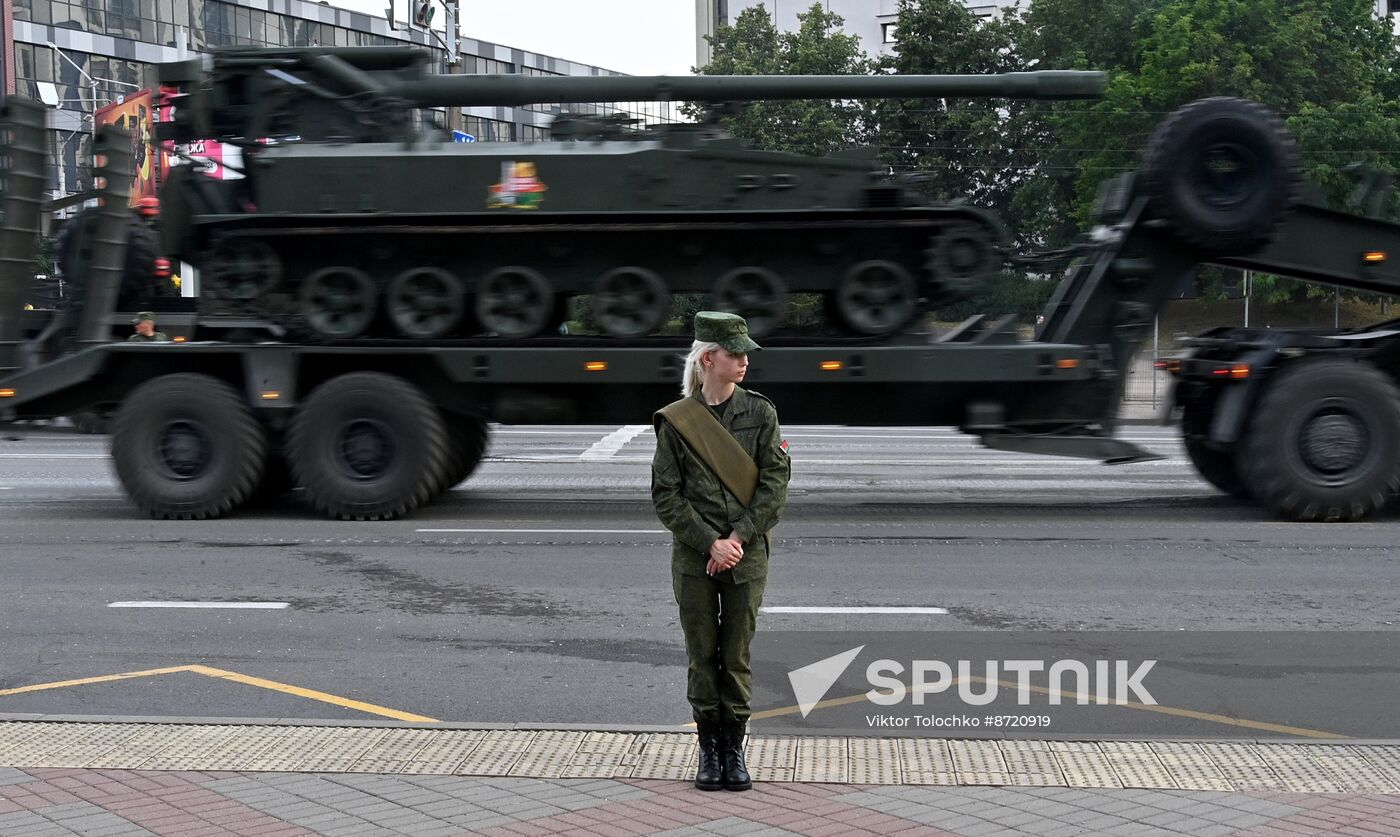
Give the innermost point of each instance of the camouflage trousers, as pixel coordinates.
(718, 618)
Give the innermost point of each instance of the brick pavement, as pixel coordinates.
(120, 803)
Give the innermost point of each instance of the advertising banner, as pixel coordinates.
(136, 114)
(211, 154)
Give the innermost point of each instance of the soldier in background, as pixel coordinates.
(145, 328)
(719, 482)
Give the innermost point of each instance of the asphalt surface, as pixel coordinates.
(544, 596)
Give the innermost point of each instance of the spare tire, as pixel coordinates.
(140, 285)
(1222, 173)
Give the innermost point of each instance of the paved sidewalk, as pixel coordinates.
(109, 778)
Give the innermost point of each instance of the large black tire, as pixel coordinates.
(1223, 173)
(187, 447)
(1217, 467)
(469, 441)
(277, 481)
(140, 285)
(367, 446)
(1324, 441)
(90, 423)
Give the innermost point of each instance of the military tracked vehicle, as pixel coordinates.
(370, 425)
(361, 228)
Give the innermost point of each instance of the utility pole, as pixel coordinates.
(454, 57)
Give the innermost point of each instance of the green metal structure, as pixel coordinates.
(362, 228)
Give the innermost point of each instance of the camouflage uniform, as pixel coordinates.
(153, 337)
(698, 509)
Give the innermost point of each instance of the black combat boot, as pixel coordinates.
(709, 776)
(736, 775)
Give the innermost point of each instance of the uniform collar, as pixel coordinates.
(738, 402)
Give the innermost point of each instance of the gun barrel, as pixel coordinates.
(510, 91)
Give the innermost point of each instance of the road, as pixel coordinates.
(539, 590)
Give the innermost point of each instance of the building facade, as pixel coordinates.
(870, 20)
(78, 56)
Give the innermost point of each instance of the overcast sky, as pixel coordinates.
(638, 37)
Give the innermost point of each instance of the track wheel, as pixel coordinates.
(1324, 441)
(755, 293)
(515, 302)
(630, 302)
(339, 302)
(425, 302)
(876, 298)
(367, 446)
(187, 447)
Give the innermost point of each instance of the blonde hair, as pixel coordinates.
(694, 377)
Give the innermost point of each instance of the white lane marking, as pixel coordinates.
(549, 531)
(53, 456)
(608, 446)
(220, 605)
(930, 610)
(544, 432)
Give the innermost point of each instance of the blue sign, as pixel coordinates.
(462, 136)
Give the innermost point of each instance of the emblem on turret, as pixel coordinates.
(519, 188)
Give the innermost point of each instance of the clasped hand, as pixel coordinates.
(725, 553)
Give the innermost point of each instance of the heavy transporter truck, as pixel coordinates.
(409, 288)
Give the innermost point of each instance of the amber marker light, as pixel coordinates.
(1238, 372)
(1067, 363)
(177, 339)
(832, 366)
(7, 393)
(1373, 257)
(596, 365)
(271, 395)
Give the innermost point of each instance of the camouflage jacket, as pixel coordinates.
(156, 337)
(697, 508)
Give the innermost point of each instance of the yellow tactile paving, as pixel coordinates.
(1369, 768)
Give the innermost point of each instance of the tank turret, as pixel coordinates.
(363, 229)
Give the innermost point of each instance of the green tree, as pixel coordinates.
(965, 148)
(754, 46)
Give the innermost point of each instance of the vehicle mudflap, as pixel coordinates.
(1106, 448)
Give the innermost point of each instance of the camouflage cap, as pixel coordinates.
(728, 330)
(144, 316)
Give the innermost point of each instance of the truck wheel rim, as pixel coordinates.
(366, 449)
(1226, 175)
(1333, 443)
(185, 449)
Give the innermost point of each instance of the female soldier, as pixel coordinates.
(719, 481)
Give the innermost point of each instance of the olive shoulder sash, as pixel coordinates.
(708, 439)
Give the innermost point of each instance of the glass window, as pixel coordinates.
(24, 9)
(887, 32)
